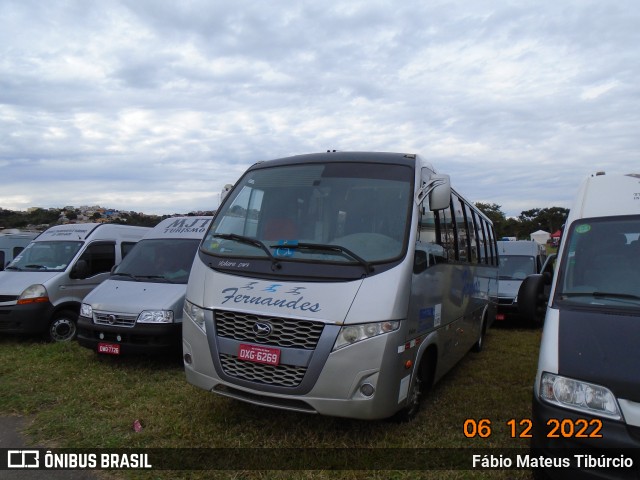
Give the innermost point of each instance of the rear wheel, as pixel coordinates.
(63, 326)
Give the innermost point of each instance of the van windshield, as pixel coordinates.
(49, 256)
(166, 260)
(516, 267)
(348, 213)
(602, 264)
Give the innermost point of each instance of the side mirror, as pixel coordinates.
(533, 298)
(440, 196)
(80, 270)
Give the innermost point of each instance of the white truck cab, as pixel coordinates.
(42, 288)
(138, 309)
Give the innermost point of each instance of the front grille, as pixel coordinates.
(8, 298)
(278, 375)
(505, 301)
(114, 319)
(286, 332)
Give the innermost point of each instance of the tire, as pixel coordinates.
(63, 326)
(420, 386)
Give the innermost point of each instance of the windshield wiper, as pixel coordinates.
(368, 268)
(250, 241)
(616, 295)
(39, 267)
(124, 274)
(11, 267)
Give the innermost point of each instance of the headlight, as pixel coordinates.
(580, 396)
(195, 313)
(86, 310)
(33, 294)
(355, 333)
(156, 316)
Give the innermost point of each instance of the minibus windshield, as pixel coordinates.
(165, 260)
(50, 256)
(349, 213)
(602, 264)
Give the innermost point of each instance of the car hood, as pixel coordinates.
(508, 288)
(14, 283)
(134, 297)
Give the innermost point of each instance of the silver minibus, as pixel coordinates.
(338, 283)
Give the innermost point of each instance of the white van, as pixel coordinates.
(42, 288)
(139, 308)
(518, 260)
(339, 283)
(12, 242)
(587, 387)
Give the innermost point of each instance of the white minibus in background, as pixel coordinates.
(12, 242)
(42, 288)
(138, 309)
(587, 387)
(338, 283)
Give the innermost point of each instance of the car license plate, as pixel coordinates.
(259, 354)
(109, 348)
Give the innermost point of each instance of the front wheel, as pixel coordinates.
(63, 326)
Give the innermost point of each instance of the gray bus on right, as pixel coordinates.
(586, 401)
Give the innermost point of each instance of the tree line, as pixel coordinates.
(548, 219)
(529, 221)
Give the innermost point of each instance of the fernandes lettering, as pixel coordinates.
(286, 298)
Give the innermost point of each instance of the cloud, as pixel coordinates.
(154, 106)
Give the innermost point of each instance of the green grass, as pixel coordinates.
(77, 399)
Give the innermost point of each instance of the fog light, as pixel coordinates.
(367, 390)
(187, 358)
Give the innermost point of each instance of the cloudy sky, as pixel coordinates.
(153, 105)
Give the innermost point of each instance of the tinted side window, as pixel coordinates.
(125, 248)
(100, 257)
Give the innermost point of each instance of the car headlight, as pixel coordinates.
(33, 294)
(195, 313)
(86, 310)
(578, 395)
(350, 334)
(156, 316)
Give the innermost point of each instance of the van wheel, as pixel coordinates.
(63, 326)
(420, 387)
(478, 346)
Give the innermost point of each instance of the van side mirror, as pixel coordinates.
(80, 270)
(533, 297)
(438, 189)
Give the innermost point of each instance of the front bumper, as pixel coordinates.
(31, 318)
(556, 433)
(142, 338)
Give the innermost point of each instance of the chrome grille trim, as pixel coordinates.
(119, 319)
(286, 332)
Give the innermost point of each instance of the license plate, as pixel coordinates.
(109, 348)
(259, 354)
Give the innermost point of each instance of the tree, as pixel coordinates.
(492, 210)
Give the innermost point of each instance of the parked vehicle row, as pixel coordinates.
(347, 284)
